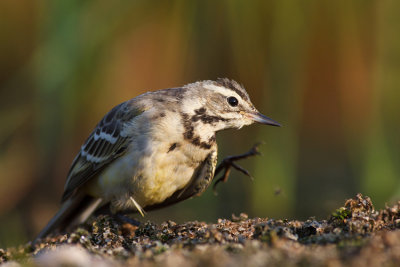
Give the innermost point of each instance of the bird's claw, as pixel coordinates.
(229, 162)
(242, 170)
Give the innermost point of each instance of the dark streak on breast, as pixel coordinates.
(200, 111)
(189, 132)
(207, 119)
(172, 147)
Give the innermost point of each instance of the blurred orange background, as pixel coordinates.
(329, 71)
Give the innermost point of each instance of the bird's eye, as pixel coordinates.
(232, 101)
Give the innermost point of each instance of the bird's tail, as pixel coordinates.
(73, 211)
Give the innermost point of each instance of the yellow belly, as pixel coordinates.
(149, 178)
(162, 177)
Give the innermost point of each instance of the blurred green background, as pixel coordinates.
(329, 71)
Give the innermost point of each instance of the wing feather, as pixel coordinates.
(107, 142)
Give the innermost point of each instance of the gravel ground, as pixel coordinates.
(354, 235)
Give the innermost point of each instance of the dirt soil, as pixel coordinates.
(354, 235)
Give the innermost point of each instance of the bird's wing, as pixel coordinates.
(107, 142)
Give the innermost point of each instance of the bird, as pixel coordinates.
(154, 150)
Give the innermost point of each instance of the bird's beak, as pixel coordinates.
(258, 117)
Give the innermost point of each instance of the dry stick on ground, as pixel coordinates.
(229, 162)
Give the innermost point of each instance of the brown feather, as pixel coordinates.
(106, 143)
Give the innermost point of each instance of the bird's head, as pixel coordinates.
(223, 104)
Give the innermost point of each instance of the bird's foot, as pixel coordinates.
(229, 162)
(126, 219)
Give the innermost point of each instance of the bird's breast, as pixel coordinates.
(168, 169)
(158, 162)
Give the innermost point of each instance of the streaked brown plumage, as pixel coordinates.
(153, 150)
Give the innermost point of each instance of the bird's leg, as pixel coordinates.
(125, 219)
(121, 216)
(229, 162)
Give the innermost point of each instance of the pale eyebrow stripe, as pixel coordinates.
(221, 89)
(232, 85)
